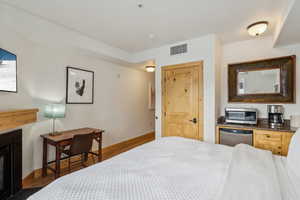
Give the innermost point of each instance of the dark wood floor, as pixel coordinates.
(113, 151)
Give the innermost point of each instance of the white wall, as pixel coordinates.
(218, 69)
(199, 49)
(253, 50)
(121, 94)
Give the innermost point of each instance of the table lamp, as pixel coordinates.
(54, 111)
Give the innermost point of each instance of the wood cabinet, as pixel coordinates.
(273, 140)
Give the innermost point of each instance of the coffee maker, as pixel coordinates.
(275, 115)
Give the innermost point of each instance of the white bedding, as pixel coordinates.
(288, 183)
(251, 175)
(166, 169)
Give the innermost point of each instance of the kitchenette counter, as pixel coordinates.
(265, 137)
(261, 125)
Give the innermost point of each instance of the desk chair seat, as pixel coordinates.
(80, 145)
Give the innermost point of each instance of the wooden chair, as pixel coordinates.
(80, 145)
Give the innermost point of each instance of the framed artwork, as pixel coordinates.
(8, 71)
(151, 97)
(80, 86)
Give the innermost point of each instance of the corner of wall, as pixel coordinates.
(218, 61)
(281, 21)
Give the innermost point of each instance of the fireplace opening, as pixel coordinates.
(5, 171)
(1, 173)
(10, 163)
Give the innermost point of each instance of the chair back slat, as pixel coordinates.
(81, 144)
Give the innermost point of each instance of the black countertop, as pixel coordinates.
(262, 125)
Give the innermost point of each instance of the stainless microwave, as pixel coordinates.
(241, 115)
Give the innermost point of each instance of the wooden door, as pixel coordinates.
(182, 98)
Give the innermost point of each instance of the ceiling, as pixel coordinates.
(291, 28)
(122, 24)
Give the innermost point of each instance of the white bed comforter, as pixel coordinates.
(172, 169)
(252, 175)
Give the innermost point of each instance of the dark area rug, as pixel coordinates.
(24, 194)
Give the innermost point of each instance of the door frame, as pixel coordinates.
(201, 94)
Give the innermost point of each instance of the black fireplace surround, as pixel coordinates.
(10, 163)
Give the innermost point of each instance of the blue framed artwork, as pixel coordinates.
(8, 71)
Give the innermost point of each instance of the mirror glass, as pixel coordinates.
(259, 82)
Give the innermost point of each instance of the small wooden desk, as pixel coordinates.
(63, 140)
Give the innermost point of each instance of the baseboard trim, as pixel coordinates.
(107, 152)
(127, 145)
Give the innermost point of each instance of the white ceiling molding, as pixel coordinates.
(40, 30)
(282, 18)
(122, 24)
(289, 29)
(50, 23)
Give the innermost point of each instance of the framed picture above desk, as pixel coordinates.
(80, 86)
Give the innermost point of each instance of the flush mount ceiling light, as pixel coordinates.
(257, 28)
(150, 68)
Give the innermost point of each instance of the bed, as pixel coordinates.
(175, 169)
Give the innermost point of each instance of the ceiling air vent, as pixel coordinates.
(179, 49)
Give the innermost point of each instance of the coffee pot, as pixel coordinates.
(275, 115)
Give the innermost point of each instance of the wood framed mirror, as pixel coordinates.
(263, 81)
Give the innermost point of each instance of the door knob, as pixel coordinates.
(194, 120)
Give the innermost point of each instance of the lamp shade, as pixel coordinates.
(55, 111)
